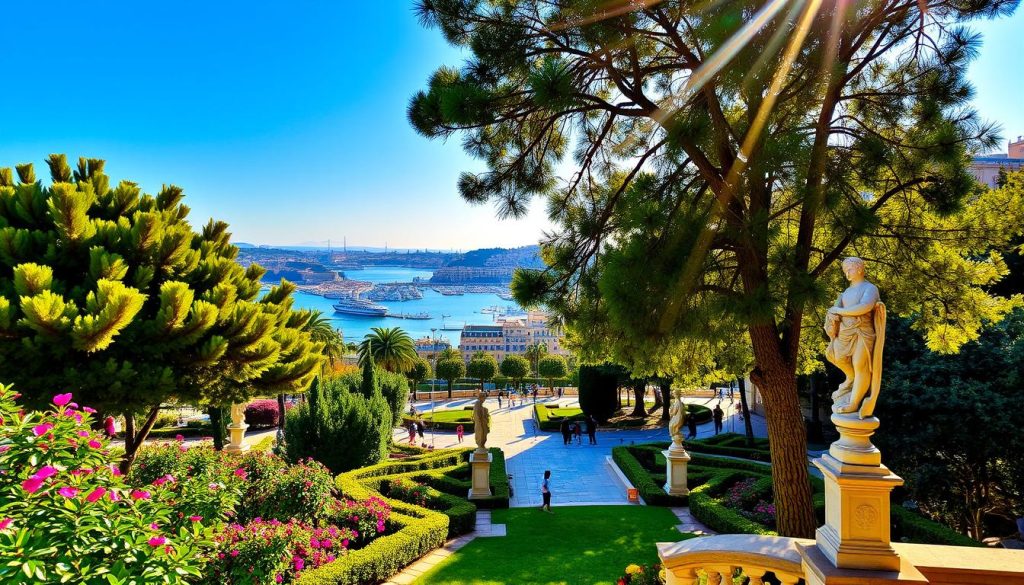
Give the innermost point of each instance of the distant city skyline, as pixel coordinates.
(289, 124)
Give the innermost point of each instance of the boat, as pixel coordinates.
(505, 296)
(358, 306)
(446, 326)
(415, 316)
(334, 295)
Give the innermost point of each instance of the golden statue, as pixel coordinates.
(677, 413)
(480, 428)
(855, 326)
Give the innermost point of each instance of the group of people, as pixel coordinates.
(573, 430)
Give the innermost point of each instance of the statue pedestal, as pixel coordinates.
(237, 433)
(857, 487)
(676, 459)
(480, 462)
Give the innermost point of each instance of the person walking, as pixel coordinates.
(691, 423)
(592, 429)
(499, 400)
(458, 432)
(419, 429)
(566, 431)
(719, 415)
(412, 432)
(535, 394)
(578, 431)
(545, 491)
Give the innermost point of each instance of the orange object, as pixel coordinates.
(632, 495)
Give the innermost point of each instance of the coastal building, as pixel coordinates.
(512, 336)
(986, 168)
(428, 348)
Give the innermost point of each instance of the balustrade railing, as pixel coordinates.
(714, 560)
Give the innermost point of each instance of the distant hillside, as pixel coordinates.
(525, 257)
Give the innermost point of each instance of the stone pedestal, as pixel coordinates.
(480, 462)
(676, 459)
(857, 487)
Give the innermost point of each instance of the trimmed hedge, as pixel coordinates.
(549, 418)
(709, 477)
(414, 530)
(447, 419)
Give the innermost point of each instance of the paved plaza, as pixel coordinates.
(580, 474)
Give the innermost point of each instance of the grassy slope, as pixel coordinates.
(585, 545)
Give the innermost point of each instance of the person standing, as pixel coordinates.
(691, 424)
(412, 432)
(419, 429)
(458, 432)
(592, 429)
(719, 415)
(566, 431)
(545, 491)
(578, 431)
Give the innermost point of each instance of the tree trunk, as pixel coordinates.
(787, 435)
(133, 441)
(217, 422)
(748, 426)
(666, 397)
(639, 389)
(449, 389)
(657, 398)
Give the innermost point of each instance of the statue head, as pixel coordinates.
(853, 267)
(481, 397)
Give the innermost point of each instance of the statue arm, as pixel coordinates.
(865, 306)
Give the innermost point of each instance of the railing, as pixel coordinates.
(718, 557)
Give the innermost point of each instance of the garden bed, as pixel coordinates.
(445, 419)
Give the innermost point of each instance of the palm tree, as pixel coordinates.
(536, 351)
(322, 331)
(391, 348)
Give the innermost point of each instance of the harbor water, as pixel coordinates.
(461, 309)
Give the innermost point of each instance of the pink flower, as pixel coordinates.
(5, 523)
(42, 429)
(165, 479)
(108, 426)
(62, 399)
(179, 438)
(154, 526)
(115, 470)
(83, 434)
(32, 484)
(234, 552)
(299, 563)
(78, 417)
(95, 444)
(195, 518)
(45, 472)
(95, 494)
(89, 410)
(156, 541)
(114, 496)
(67, 491)
(140, 495)
(278, 578)
(240, 473)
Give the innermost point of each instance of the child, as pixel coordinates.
(458, 432)
(545, 492)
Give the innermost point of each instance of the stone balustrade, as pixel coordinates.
(718, 557)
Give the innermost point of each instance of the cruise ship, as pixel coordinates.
(358, 306)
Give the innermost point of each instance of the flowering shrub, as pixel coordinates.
(262, 413)
(366, 519)
(642, 575)
(748, 500)
(408, 491)
(301, 491)
(67, 515)
(272, 551)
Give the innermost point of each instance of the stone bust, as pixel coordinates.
(480, 422)
(855, 326)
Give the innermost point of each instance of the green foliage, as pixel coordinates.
(451, 369)
(551, 367)
(420, 371)
(390, 347)
(446, 419)
(112, 294)
(550, 419)
(339, 427)
(395, 390)
(69, 516)
(368, 382)
(482, 366)
(515, 367)
(952, 425)
(598, 388)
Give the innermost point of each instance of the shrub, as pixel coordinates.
(342, 429)
(598, 386)
(69, 516)
(262, 413)
(408, 491)
(395, 390)
(273, 551)
(649, 490)
(301, 491)
(366, 518)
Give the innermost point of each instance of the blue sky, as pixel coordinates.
(287, 120)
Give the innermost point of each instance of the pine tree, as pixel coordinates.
(110, 294)
(368, 383)
(726, 157)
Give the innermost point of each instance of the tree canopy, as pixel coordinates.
(551, 367)
(723, 158)
(391, 348)
(450, 370)
(482, 366)
(515, 367)
(109, 293)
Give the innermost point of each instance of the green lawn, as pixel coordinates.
(584, 545)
